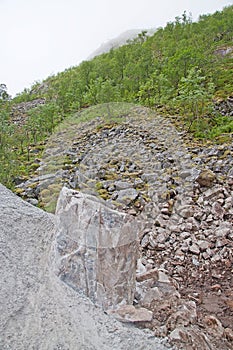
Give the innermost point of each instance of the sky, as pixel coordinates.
(42, 37)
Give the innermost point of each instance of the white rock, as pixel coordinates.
(96, 249)
(129, 313)
(194, 249)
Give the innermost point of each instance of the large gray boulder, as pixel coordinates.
(96, 249)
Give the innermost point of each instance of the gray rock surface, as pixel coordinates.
(96, 249)
(37, 310)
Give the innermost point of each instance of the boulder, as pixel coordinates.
(129, 313)
(206, 178)
(127, 196)
(96, 249)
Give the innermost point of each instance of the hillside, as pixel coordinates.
(142, 135)
(183, 69)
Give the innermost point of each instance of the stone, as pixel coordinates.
(129, 313)
(127, 196)
(132, 211)
(165, 211)
(199, 215)
(145, 241)
(149, 177)
(186, 225)
(186, 314)
(221, 242)
(122, 185)
(217, 210)
(161, 238)
(213, 326)
(193, 248)
(214, 192)
(175, 228)
(147, 275)
(185, 173)
(96, 249)
(229, 334)
(122, 168)
(153, 294)
(207, 254)
(203, 245)
(160, 221)
(206, 178)
(169, 186)
(163, 277)
(185, 211)
(152, 242)
(223, 230)
(179, 334)
(33, 201)
(140, 267)
(230, 172)
(228, 203)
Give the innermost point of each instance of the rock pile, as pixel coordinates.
(182, 195)
(225, 107)
(19, 112)
(186, 266)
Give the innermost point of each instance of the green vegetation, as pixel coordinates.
(179, 70)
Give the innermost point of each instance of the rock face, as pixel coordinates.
(96, 249)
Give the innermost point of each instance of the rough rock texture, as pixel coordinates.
(182, 193)
(37, 310)
(96, 249)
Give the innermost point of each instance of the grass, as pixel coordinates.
(214, 129)
(109, 112)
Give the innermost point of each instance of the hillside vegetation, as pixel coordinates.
(184, 69)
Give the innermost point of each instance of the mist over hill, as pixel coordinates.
(118, 41)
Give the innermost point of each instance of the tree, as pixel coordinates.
(156, 90)
(102, 91)
(4, 96)
(195, 94)
(5, 127)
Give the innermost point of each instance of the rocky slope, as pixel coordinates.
(183, 196)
